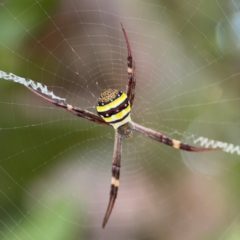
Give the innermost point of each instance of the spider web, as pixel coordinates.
(55, 168)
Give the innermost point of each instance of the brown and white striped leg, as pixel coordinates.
(116, 164)
(166, 140)
(133, 85)
(131, 71)
(74, 110)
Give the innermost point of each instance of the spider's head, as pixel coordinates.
(126, 130)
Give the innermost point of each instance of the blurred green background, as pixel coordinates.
(55, 167)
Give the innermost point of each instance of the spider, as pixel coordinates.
(113, 108)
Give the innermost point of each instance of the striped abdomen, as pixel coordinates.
(114, 107)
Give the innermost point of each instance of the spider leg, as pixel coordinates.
(130, 88)
(74, 110)
(168, 141)
(116, 164)
(133, 85)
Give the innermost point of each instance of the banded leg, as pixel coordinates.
(133, 85)
(74, 110)
(130, 88)
(116, 164)
(166, 140)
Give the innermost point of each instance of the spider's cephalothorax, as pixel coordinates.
(114, 108)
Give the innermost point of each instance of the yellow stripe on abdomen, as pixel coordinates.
(112, 104)
(114, 107)
(117, 116)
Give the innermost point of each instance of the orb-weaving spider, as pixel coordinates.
(114, 109)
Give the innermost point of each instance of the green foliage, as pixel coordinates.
(19, 19)
(48, 220)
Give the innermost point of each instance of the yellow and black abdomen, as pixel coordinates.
(114, 108)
